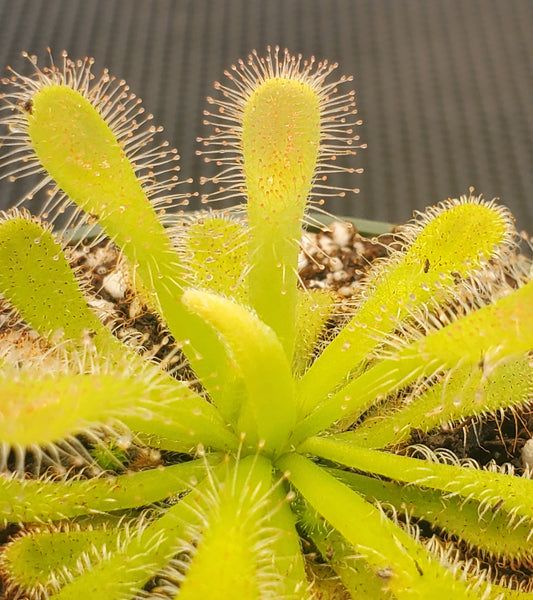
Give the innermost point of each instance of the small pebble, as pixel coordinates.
(115, 285)
(346, 291)
(359, 247)
(340, 275)
(104, 309)
(527, 456)
(327, 244)
(341, 233)
(335, 263)
(303, 261)
(308, 243)
(136, 308)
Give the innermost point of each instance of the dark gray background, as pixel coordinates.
(443, 86)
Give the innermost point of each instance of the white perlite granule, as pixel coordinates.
(527, 456)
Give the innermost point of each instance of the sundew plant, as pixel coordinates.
(279, 435)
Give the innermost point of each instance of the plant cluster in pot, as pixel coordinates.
(257, 455)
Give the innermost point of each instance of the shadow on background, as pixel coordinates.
(444, 87)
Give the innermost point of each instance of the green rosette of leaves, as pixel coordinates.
(275, 437)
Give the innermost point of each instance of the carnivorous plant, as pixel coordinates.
(275, 434)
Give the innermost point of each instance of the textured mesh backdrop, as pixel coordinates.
(443, 86)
